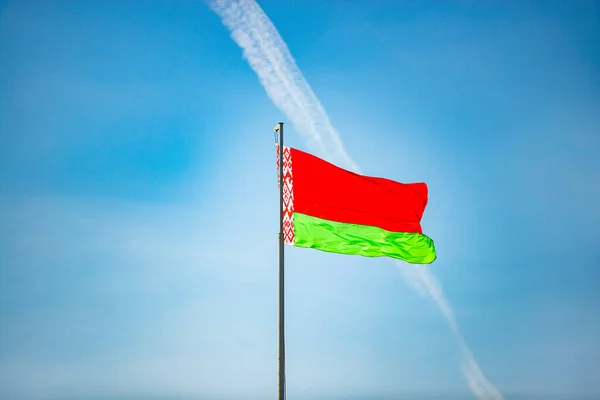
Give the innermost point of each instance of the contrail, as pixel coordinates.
(271, 60)
(424, 282)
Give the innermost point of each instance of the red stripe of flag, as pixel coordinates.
(326, 191)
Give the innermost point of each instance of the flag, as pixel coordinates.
(331, 209)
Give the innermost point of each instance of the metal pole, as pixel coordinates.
(281, 377)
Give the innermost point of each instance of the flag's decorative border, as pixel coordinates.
(288, 194)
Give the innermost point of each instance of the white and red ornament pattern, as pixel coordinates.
(288, 194)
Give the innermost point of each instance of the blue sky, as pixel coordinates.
(138, 218)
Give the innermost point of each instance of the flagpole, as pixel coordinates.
(281, 377)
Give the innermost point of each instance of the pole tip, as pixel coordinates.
(278, 127)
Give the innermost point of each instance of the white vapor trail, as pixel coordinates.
(271, 60)
(424, 282)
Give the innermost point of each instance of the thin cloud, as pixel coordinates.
(269, 57)
(425, 283)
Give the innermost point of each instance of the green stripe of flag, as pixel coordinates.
(364, 240)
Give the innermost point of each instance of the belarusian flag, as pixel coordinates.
(335, 210)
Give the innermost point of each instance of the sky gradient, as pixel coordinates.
(138, 194)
